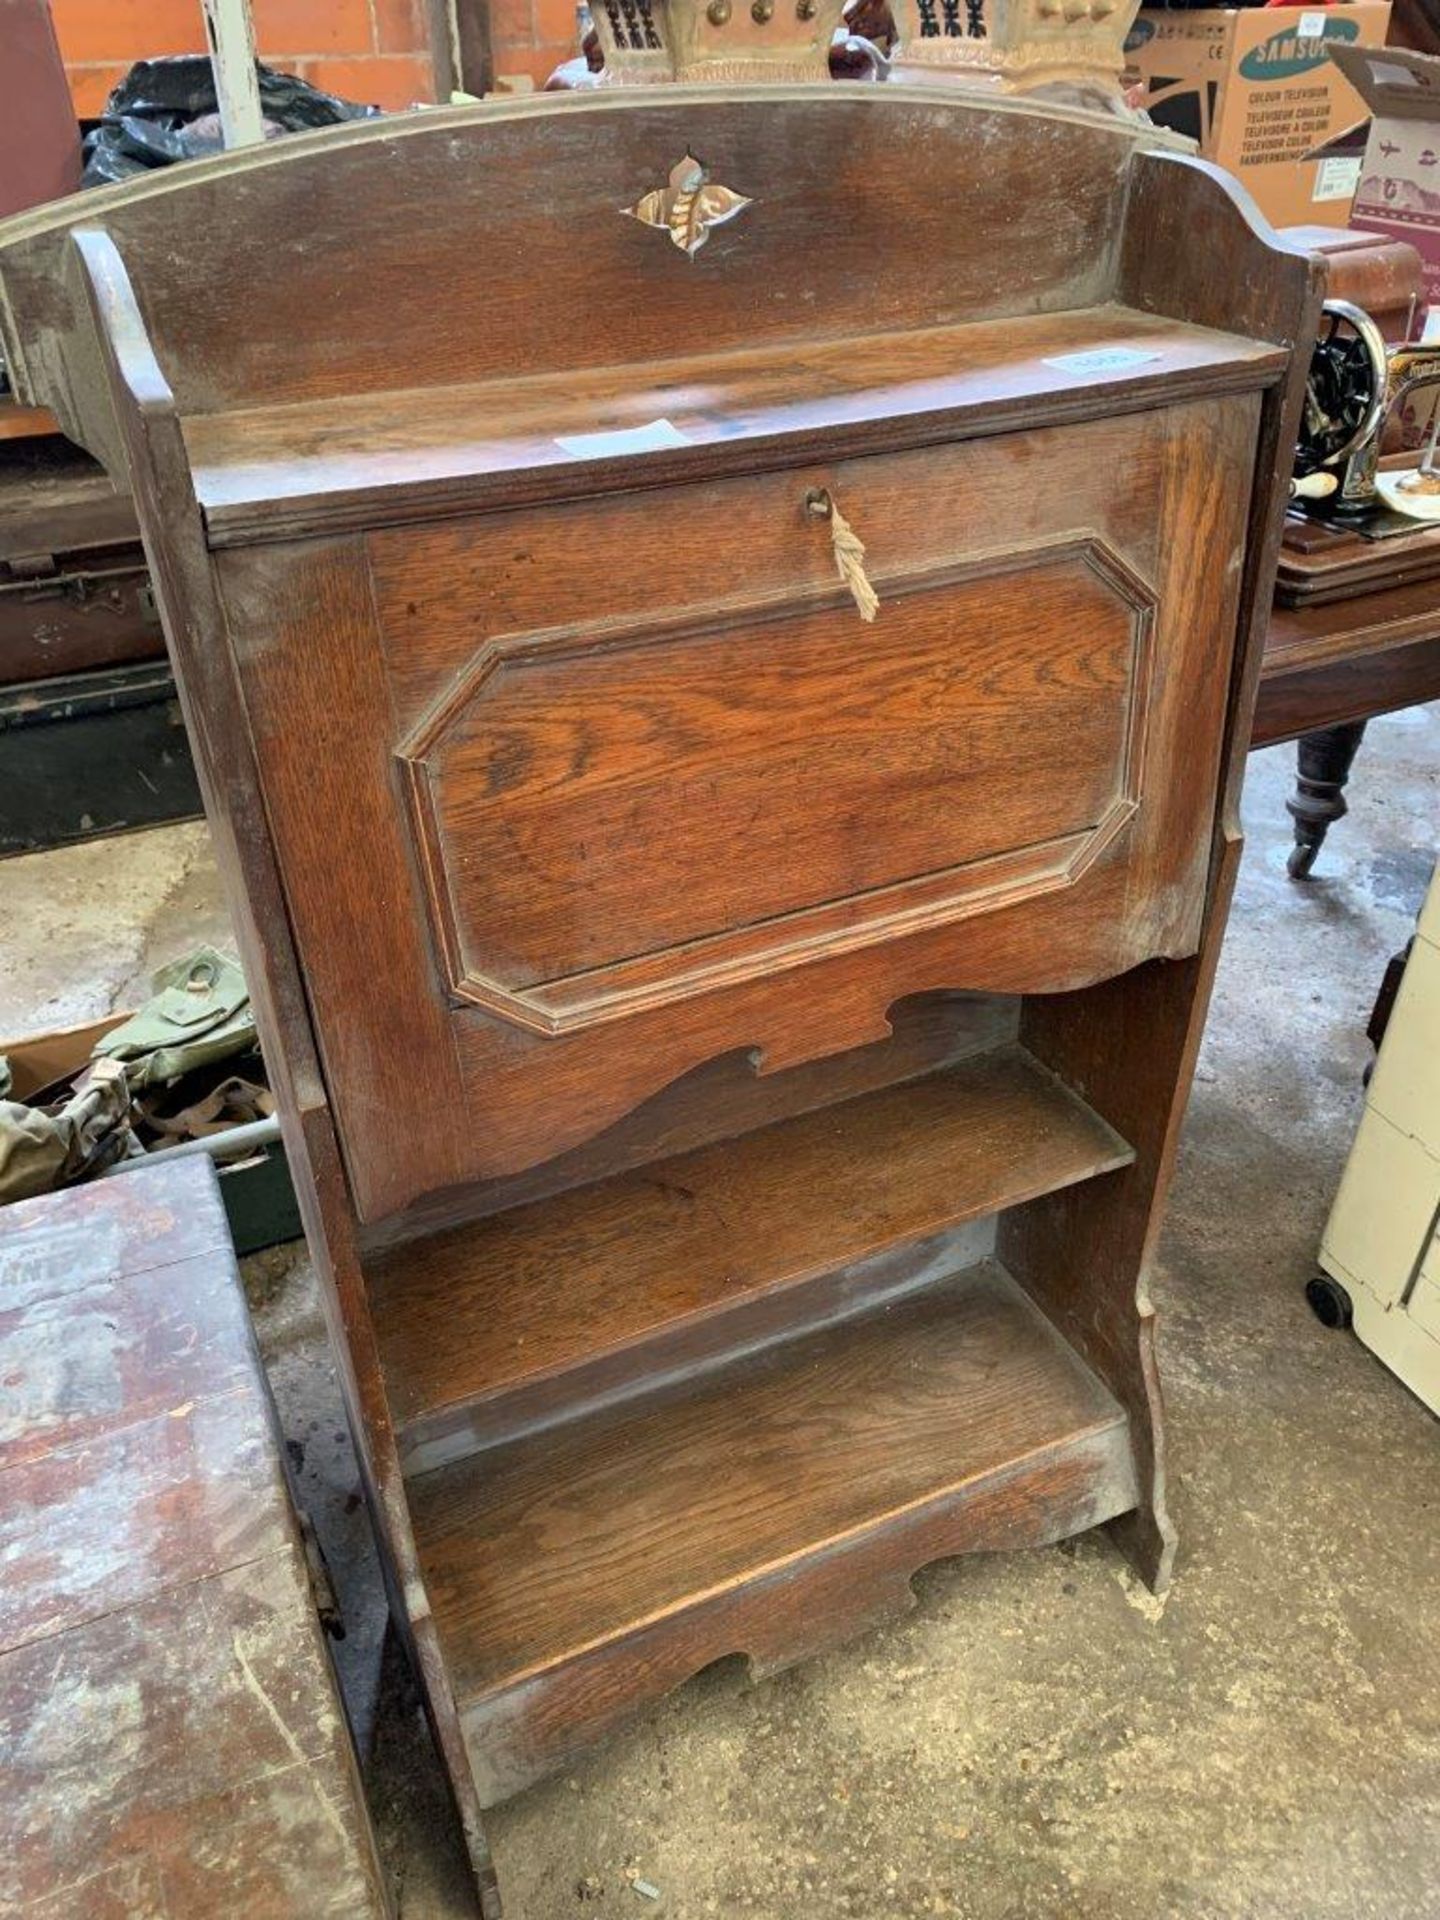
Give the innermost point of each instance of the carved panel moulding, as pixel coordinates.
(511, 792)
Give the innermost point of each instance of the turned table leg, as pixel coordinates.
(1325, 760)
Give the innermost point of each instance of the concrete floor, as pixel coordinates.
(1038, 1739)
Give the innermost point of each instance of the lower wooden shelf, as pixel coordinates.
(770, 1506)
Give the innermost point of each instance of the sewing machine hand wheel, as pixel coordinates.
(1344, 390)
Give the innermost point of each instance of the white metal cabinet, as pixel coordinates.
(1382, 1240)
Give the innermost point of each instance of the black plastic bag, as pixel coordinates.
(167, 110)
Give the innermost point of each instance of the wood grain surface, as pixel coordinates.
(374, 641)
(538, 1550)
(1350, 658)
(110, 1313)
(55, 500)
(104, 1523)
(1320, 562)
(399, 392)
(518, 1735)
(348, 461)
(25, 423)
(724, 1098)
(151, 455)
(171, 1736)
(476, 1326)
(170, 1759)
(584, 807)
(337, 235)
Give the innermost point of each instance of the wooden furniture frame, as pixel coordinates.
(731, 1056)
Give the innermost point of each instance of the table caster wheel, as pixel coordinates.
(1329, 1301)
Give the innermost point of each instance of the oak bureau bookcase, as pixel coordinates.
(731, 1048)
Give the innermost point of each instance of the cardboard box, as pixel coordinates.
(1255, 86)
(1399, 189)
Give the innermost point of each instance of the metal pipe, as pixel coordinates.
(220, 1146)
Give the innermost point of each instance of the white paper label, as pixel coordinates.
(1100, 360)
(1337, 177)
(1312, 25)
(647, 439)
(1392, 75)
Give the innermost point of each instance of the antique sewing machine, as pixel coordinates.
(1355, 630)
(1362, 395)
(1369, 393)
(1354, 522)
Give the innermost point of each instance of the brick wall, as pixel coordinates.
(532, 36)
(368, 50)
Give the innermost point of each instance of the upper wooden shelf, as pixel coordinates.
(344, 462)
(489, 1327)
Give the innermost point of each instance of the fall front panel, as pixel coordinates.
(629, 784)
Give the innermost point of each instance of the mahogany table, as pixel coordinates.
(1333, 664)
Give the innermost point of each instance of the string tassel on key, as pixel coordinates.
(849, 552)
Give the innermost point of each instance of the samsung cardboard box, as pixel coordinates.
(1256, 87)
(1398, 194)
